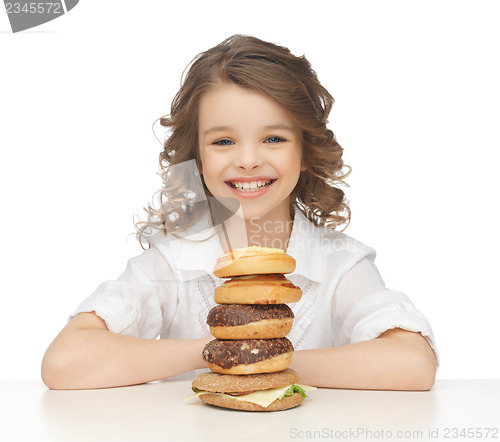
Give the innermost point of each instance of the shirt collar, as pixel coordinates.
(197, 255)
(306, 248)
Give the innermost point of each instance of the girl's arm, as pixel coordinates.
(396, 360)
(86, 355)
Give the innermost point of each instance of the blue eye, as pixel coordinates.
(224, 142)
(275, 140)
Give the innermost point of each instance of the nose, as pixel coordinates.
(248, 157)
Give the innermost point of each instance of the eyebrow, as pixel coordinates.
(271, 126)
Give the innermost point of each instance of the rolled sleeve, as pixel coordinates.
(139, 303)
(384, 311)
(364, 308)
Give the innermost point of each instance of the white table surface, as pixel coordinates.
(157, 412)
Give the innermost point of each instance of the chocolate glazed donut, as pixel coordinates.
(248, 356)
(243, 321)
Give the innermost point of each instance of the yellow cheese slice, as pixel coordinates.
(263, 398)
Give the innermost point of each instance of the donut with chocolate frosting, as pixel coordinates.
(248, 356)
(250, 321)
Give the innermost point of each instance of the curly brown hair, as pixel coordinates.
(291, 82)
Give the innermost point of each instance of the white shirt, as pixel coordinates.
(168, 290)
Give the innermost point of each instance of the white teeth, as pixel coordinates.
(252, 186)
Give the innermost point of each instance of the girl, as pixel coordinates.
(251, 118)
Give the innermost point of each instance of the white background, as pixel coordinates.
(417, 112)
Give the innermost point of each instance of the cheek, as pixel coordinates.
(292, 164)
(205, 162)
(209, 169)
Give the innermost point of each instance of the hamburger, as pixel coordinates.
(254, 392)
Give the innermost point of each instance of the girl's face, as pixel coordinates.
(249, 149)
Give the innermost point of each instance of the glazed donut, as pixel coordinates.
(248, 356)
(257, 289)
(253, 260)
(244, 321)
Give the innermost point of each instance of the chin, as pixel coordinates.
(253, 213)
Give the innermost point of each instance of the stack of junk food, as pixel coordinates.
(250, 356)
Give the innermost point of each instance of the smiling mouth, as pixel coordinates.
(252, 186)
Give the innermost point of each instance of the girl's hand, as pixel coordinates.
(86, 355)
(396, 360)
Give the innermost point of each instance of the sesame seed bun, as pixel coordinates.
(239, 384)
(277, 405)
(224, 383)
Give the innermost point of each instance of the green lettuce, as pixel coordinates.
(292, 390)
